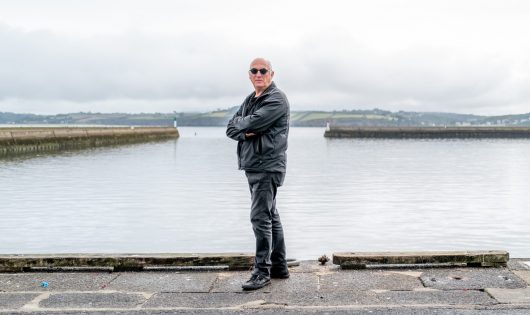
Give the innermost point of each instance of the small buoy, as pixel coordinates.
(44, 284)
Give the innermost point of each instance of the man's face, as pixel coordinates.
(260, 81)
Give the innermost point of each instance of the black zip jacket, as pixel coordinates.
(268, 117)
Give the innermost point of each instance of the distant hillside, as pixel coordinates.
(374, 117)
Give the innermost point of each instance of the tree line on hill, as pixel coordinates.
(374, 117)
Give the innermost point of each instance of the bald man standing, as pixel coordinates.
(261, 127)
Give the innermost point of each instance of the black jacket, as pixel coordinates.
(268, 117)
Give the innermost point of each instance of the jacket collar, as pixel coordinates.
(267, 90)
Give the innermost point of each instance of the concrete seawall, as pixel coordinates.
(23, 140)
(30, 287)
(428, 132)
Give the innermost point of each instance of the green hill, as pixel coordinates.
(374, 117)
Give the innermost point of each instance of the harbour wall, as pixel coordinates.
(22, 140)
(427, 132)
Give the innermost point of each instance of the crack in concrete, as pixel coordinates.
(105, 285)
(423, 282)
(213, 283)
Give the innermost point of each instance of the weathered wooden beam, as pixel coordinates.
(360, 260)
(123, 262)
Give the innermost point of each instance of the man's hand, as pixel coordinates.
(249, 135)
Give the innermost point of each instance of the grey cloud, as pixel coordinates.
(329, 70)
(42, 65)
(435, 78)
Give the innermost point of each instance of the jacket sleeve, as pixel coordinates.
(231, 131)
(261, 119)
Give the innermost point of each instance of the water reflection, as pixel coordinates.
(187, 195)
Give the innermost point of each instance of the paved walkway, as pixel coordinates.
(312, 289)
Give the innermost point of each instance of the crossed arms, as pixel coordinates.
(241, 128)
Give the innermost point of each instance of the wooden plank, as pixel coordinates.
(121, 262)
(359, 260)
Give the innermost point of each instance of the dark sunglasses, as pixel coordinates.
(255, 71)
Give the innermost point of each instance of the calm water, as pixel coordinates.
(339, 195)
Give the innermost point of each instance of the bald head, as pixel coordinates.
(262, 61)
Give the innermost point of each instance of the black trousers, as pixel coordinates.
(270, 244)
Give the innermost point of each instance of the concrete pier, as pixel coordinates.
(428, 132)
(23, 140)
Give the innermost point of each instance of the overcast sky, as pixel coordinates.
(60, 56)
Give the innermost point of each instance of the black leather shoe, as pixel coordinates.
(279, 273)
(256, 282)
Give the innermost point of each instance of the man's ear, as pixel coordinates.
(272, 74)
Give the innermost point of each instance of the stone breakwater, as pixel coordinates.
(427, 132)
(23, 140)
